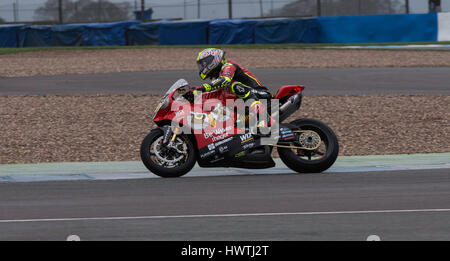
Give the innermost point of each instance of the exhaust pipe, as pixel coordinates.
(290, 106)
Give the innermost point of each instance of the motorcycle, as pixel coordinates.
(192, 135)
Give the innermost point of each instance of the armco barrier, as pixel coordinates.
(345, 29)
(378, 28)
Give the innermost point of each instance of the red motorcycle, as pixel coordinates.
(193, 134)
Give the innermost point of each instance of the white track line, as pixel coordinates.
(228, 215)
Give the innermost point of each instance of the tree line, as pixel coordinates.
(339, 7)
(84, 11)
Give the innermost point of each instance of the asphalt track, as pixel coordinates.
(336, 81)
(399, 205)
(395, 205)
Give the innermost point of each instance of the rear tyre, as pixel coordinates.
(164, 161)
(307, 161)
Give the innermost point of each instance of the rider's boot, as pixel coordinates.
(258, 110)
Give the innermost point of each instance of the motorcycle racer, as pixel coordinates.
(226, 73)
(304, 145)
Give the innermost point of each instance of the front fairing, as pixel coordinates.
(210, 121)
(175, 92)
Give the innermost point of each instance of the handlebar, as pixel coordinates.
(189, 96)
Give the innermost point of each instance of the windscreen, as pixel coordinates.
(178, 84)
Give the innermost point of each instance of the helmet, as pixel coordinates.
(208, 60)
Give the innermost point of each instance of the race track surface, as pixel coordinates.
(345, 81)
(272, 207)
(395, 205)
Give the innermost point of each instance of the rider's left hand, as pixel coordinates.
(197, 90)
(193, 93)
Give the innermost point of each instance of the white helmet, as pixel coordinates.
(208, 60)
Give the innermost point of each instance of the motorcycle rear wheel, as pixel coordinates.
(158, 158)
(296, 160)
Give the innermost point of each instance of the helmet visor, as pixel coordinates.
(204, 66)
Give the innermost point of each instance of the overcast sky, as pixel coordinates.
(175, 8)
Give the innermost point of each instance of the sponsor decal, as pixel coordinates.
(166, 135)
(217, 144)
(223, 149)
(207, 154)
(289, 136)
(286, 134)
(211, 146)
(219, 131)
(248, 146)
(220, 137)
(246, 138)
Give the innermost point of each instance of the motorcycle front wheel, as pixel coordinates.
(320, 143)
(168, 161)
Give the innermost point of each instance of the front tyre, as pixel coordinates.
(168, 161)
(322, 147)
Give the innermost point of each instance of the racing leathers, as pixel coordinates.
(243, 84)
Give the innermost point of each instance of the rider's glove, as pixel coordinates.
(197, 90)
(193, 93)
(206, 87)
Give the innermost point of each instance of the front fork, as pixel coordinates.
(170, 135)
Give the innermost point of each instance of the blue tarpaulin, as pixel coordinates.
(8, 35)
(106, 33)
(143, 34)
(58, 35)
(343, 29)
(231, 31)
(74, 35)
(184, 32)
(35, 36)
(286, 31)
(67, 35)
(378, 28)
